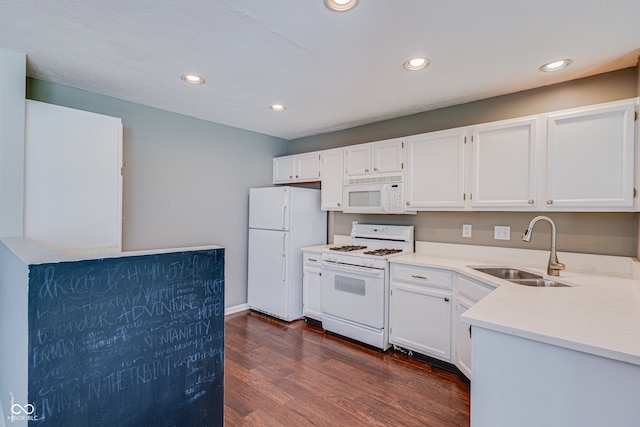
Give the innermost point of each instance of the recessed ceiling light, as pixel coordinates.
(193, 79)
(556, 65)
(415, 64)
(340, 5)
(277, 107)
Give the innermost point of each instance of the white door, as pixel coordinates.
(268, 272)
(283, 169)
(269, 208)
(357, 160)
(387, 156)
(590, 157)
(420, 319)
(463, 338)
(331, 187)
(504, 164)
(308, 167)
(435, 170)
(354, 293)
(312, 286)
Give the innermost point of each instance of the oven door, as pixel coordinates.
(354, 293)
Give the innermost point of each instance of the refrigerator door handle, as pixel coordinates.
(284, 257)
(284, 216)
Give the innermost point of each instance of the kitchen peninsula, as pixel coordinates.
(124, 338)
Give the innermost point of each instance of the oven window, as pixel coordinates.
(350, 285)
(364, 198)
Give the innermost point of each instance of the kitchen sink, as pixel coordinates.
(507, 273)
(541, 283)
(520, 277)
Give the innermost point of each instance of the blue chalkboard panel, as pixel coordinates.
(133, 341)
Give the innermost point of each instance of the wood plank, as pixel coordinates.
(282, 374)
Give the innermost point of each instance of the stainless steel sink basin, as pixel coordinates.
(520, 277)
(507, 273)
(541, 283)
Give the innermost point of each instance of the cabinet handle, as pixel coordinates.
(469, 331)
(549, 202)
(446, 299)
(415, 276)
(366, 169)
(531, 201)
(312, 259)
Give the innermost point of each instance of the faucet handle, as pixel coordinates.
(554, 268)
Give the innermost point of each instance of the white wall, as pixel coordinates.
(12, 100)
(14, 332)
(186, 181)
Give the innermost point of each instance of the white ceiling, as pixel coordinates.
(332, 70)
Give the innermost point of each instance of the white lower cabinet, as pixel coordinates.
(420, 310)
(468, 293)
(312, 285)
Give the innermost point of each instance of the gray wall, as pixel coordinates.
(186, 181)
(600, 233)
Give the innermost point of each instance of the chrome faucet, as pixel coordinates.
(554, 267)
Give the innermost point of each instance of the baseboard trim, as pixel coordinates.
(236, 309)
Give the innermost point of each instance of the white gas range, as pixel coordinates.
(355, 282)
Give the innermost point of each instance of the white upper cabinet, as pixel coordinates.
(388, 156)
(436, 170)
(590, 157)
(357, 160)
(331, 175)
(503, 164)
(377, 157)
(296, 168)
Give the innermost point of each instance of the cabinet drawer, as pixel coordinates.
(312, 259)
(472, 290)
(422, 276)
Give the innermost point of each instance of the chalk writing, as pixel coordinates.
(137, 340)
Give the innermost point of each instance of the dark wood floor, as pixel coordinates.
(293, 374)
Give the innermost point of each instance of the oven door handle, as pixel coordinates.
(353, 269)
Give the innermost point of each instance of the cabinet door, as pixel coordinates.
(73, 178)
(282, 169)
(357, 160)
(387, 156)
(435, 170)
(590, 157)
(331, 176)
(312, 286)
(420, 319)
(307, 167)
(504, 164)
(463, 339)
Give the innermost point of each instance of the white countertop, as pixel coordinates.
(599, 314)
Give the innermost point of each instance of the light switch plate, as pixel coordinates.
(501, 232)
(466, 230)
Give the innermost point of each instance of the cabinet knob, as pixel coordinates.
(549, 202)
(339, 204)
(375, 169)
(296, 176)
(408, 203)
(531, 201)
(446, 299)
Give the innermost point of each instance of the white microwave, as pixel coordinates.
(376, 194)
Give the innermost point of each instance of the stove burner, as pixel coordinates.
(383, 252)
(348, 248)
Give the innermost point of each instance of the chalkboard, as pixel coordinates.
(133, 341)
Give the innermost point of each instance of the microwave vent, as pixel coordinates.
(375, 180)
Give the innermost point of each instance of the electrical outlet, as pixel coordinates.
(466, 230)
(501, 232)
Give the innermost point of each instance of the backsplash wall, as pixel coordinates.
(593, 233)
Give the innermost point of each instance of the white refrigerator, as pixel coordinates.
(282, 220)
